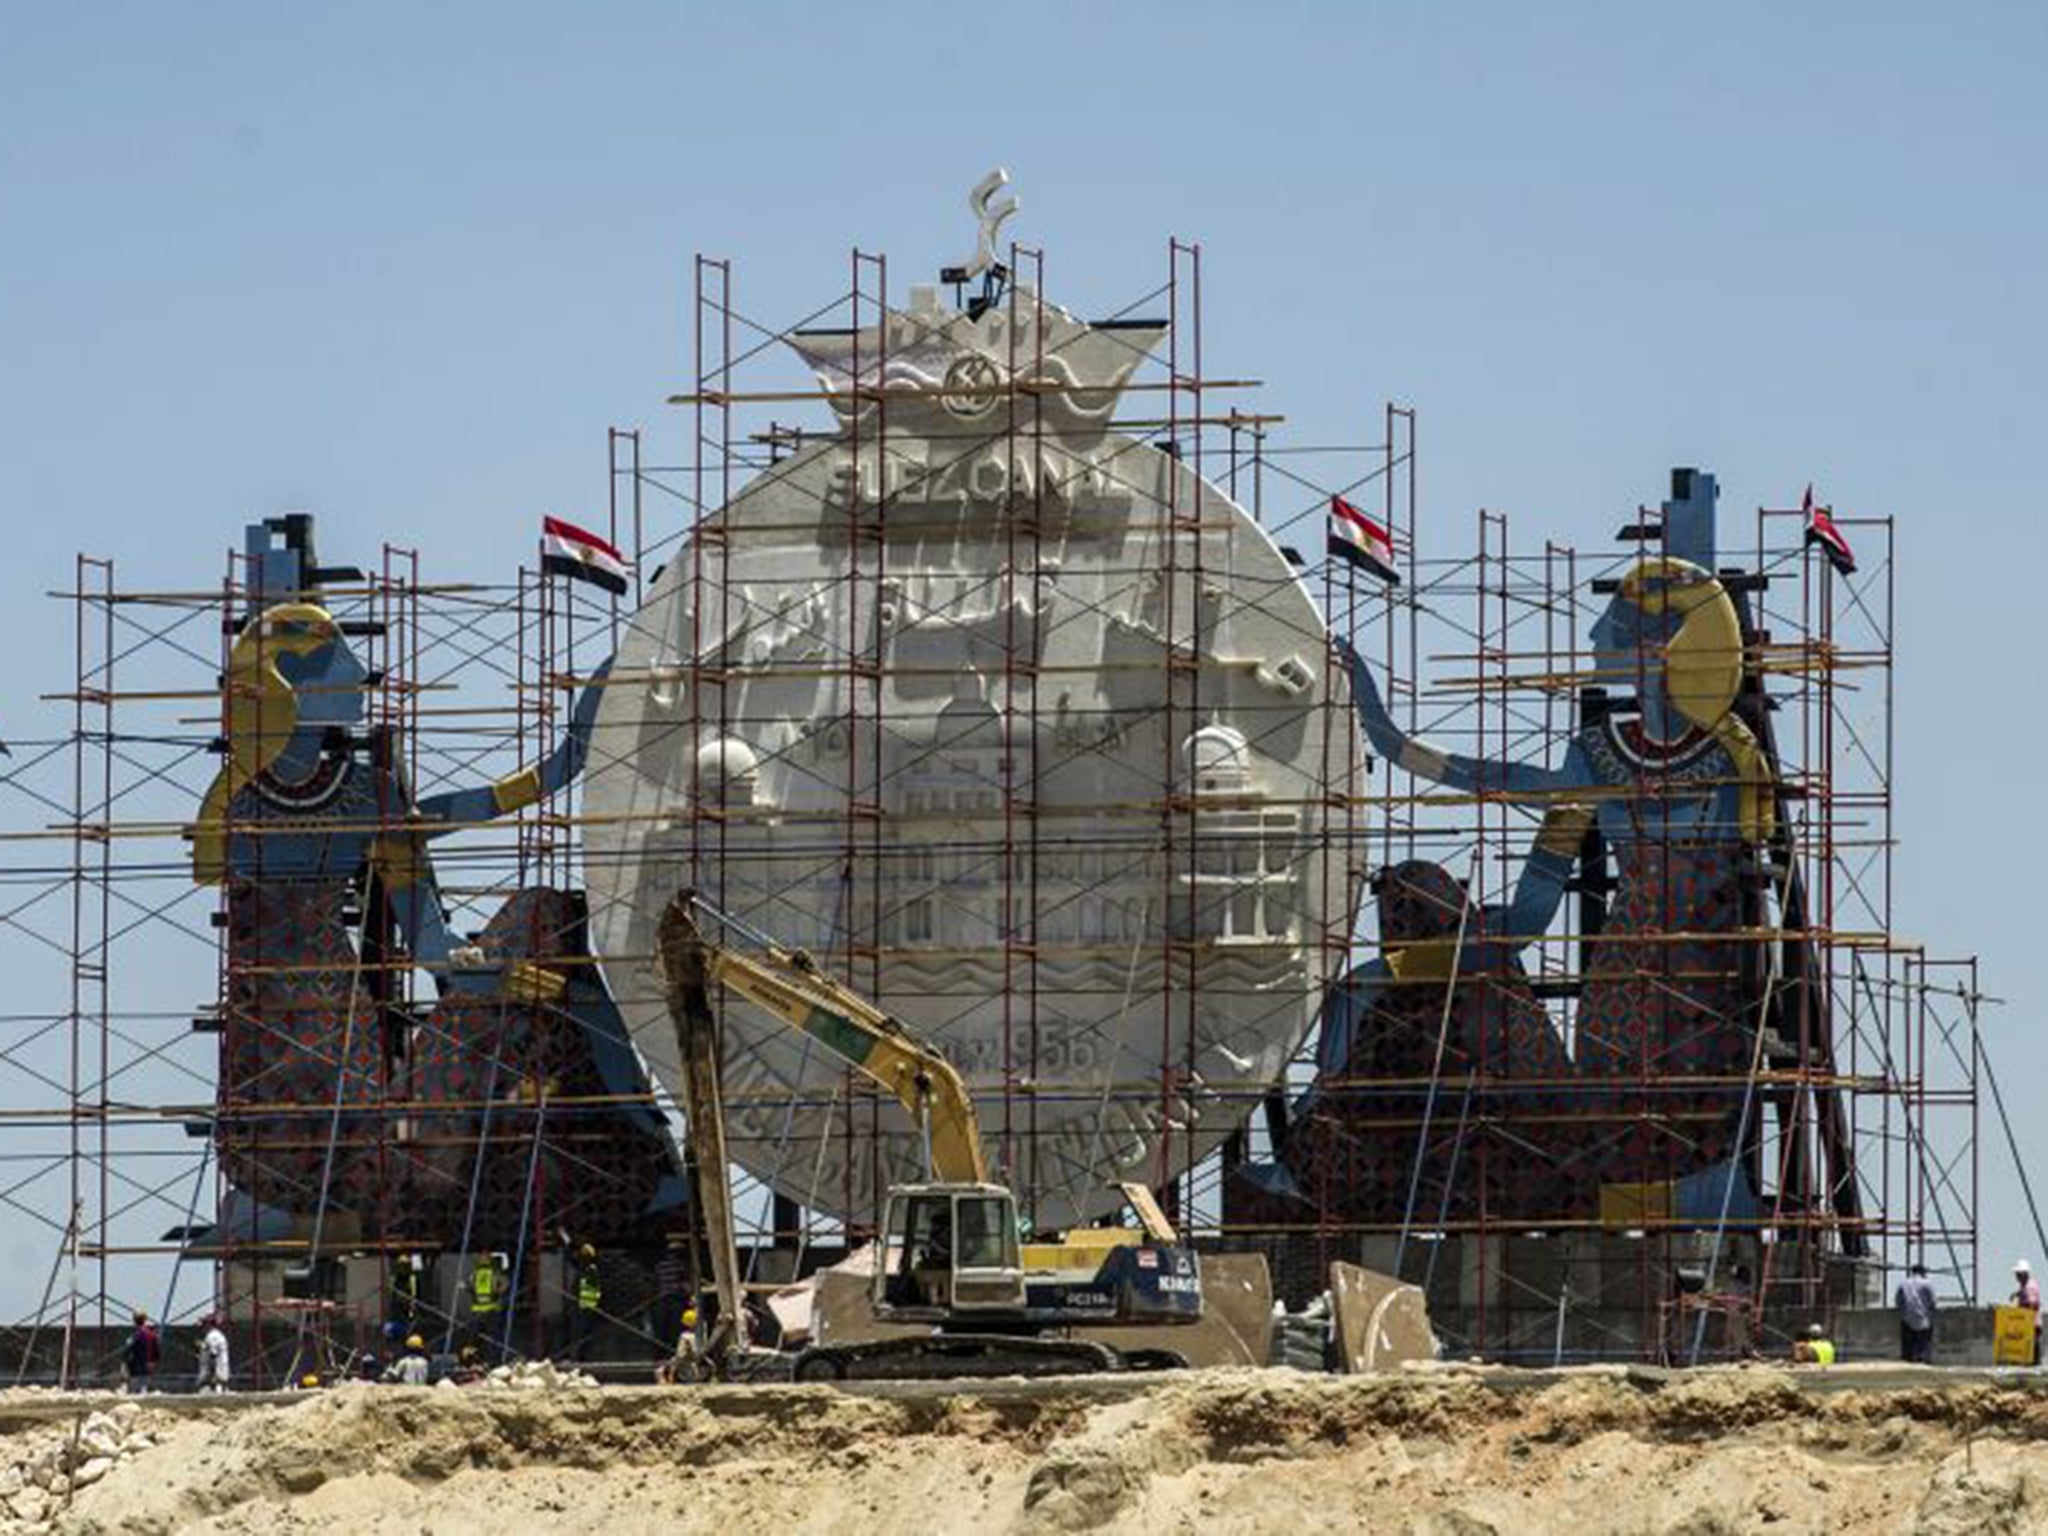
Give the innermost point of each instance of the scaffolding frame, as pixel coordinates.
(1486, 650)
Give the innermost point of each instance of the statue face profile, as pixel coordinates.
(1672, 633)
(314, 660)
(1626, 640)
(291, 680)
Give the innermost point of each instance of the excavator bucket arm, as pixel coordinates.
(680, 954)
(789, 987)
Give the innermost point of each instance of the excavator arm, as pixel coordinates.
(697, 1046)
(789, 986)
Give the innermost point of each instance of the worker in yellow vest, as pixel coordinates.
(487, 1286)
(408, 1273)
(1815, 1349)
(588, 1316)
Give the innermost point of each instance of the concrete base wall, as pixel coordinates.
(1962, 1335)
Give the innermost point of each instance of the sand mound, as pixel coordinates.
(1442, 1453)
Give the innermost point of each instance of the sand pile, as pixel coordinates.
(1442, 1453)
(48, 1467)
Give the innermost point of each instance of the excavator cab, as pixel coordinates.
(949, 1251)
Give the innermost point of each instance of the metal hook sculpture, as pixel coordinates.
(991, 219)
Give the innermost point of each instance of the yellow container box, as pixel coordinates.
(2012, 1338)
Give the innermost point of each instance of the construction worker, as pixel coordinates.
(686, 1364)
(139, 1356)
(487, 1283)
(588, 1316)
(213, 1356)
(442, 1366)
(410, 1369)
(1915, 1300)
(1815, 1349)
(407, 1275)
(1740, 1299)
(2026, 1292)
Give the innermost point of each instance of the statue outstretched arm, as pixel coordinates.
(407, 874)
(1546, 874)
(456, 809)
(406, 870)
(1476, 774)
(1495, 937)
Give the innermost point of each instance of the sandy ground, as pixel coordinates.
(1444, 1453)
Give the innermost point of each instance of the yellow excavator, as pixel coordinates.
(951, 1255)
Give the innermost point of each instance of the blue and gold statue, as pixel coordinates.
(515, 1102)
(1664, 804)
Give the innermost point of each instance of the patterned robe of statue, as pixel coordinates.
(1648, 1090)
(1354, 1139)
(1663, 997)
(513, 1104)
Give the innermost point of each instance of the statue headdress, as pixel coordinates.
(1703, 670)
(261, 713)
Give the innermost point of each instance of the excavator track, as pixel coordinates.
(954, 1356)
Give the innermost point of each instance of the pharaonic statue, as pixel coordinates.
(515, 1089)
(1669, 786)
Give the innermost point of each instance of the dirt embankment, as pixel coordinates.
(1438, 1454)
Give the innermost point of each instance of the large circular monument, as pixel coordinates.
(1021, 728)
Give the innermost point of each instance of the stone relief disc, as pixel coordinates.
(869, 712)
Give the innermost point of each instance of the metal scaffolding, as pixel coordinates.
(1852, 1105)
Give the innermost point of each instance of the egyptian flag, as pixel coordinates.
(1821, 530)
(566, 550)
(1358, 539)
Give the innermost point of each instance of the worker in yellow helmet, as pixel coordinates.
(410, 1368)
(687, 1363)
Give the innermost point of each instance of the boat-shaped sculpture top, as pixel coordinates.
(931, 365)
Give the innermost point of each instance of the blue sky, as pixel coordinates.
(404, 265)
